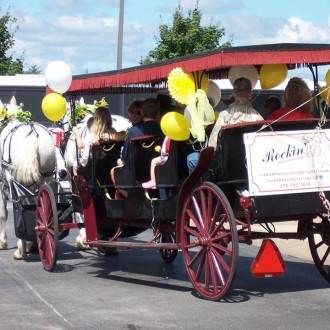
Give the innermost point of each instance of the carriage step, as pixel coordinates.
(136, 245)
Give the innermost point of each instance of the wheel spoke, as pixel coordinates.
(40, 216)
(221, 260)
(200, 266)
(218, 270)
(220, 223)
(221, 236)
(213, 273)
(325, 255)
(198, 211)
(195, 221)
(209, 209)
(191, 231)
(204, 211)
(191, 245)
(195, 257)
(50, 247)
(51, 231)
(222, 248)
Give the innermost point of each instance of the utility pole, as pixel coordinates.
(120, 52)
(120, 35)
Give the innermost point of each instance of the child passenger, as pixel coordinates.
(164, 152)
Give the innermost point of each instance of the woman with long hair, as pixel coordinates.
(100, 130)
(295, 95)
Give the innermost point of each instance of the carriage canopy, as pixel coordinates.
(215, 63)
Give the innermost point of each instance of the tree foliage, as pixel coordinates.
(8, 64)
(33, 69)
(185, 36)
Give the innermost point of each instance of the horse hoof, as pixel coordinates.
(3, 246)
(82, 246)
(18, 256)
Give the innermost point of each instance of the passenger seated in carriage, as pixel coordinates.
(164, 152)
(100, 130)
(239, 111)
(149, 126)
(272, 104)
(135, 115)
(295, 94)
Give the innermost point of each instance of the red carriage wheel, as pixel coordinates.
(168, 255)
(47, 227)
(319, 244)
(209, 241)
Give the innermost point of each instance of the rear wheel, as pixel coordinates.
(47, 227)
(209, 241)
(168, 255)
(319, 244)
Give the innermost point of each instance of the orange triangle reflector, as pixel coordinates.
(268, 262)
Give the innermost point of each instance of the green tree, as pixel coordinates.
(185, 36)
(8, 64)
(33, 69)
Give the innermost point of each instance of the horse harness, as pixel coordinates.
(7, 164)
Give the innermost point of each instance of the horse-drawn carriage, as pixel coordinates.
(206, 214)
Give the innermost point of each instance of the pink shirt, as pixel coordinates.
(295, 115)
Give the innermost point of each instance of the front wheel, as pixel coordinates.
(47, 227)
(209, 241)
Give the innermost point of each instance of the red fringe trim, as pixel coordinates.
(220, 60)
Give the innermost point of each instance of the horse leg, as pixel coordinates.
(3, 220)
(20, 252)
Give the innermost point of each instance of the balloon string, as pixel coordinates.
(296, 108)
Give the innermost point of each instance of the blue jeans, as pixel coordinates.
(192, 160)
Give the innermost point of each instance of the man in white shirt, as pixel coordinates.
(240, 110)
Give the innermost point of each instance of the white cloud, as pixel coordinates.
(249, 30)
(298, 30)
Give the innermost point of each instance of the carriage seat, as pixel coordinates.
(174, 170)
(141, 150)
(103, 158)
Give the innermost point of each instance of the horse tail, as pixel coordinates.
(26, 168)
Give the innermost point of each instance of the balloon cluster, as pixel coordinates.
(270, 75)
(58, 78)
(190, 89)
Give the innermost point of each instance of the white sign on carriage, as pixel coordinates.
(288, 162)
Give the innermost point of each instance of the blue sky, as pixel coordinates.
(83, 33)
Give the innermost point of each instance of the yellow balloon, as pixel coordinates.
(271, 75)
(325, 95)
(327, 77)
(175, 126)
(53, 106)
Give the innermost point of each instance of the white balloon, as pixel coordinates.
(58, 76)
(214, 93)
(247, 71)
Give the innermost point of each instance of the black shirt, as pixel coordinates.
(140, 129)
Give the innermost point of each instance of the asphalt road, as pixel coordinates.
(134, 290)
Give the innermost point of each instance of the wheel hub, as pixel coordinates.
(41, 228)
(204, 241)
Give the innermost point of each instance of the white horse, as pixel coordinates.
(27, 154)
(119, 123)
